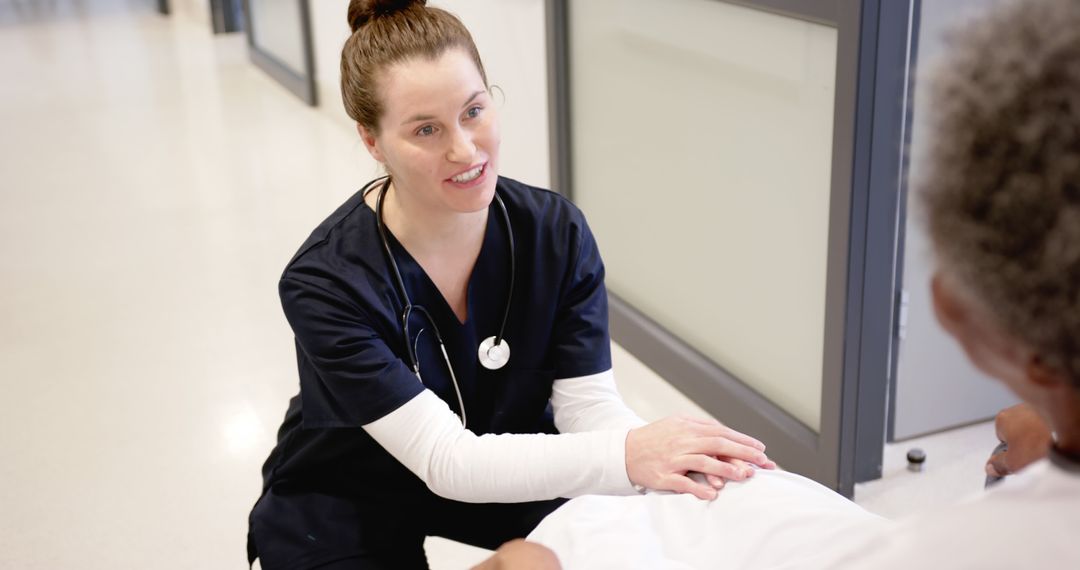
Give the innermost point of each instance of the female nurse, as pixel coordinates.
(451, 336)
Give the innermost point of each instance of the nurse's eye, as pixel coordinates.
(473, 112)
(425, 131)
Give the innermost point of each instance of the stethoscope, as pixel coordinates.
(494, 351)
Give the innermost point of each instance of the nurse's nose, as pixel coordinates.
(462, 149)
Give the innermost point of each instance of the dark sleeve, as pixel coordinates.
(348, 375)
(582, 344)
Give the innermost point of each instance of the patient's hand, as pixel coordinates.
(660, 454)
(521, 555)
(1026, 435)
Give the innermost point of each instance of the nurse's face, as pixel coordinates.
(439, 133)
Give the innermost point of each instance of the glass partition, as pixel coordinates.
(702, 149)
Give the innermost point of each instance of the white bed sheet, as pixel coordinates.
(775, 519)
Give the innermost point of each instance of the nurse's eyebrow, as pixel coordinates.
(416, 118)
(473, 96)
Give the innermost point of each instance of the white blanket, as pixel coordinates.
(774, 519)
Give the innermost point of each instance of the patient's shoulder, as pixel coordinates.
(1003, 528)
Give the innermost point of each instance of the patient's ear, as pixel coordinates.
(948, 308)
(987, 346)
(1044, 375)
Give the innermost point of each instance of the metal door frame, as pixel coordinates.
(224, 18)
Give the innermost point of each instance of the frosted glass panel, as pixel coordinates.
(702, 147)
(276, 30)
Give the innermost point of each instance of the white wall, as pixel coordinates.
(510, 35)
(328, 33)
(198, 10)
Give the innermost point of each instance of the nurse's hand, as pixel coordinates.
(659, 455)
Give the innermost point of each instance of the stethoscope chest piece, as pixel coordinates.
(494, 356)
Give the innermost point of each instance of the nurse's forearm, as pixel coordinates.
(427, 437)
(590, 403)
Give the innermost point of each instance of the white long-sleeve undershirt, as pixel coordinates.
(589, 403)
(588, 457)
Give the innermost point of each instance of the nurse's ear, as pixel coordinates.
(370, 143)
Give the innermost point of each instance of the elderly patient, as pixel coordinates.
(1002, 203)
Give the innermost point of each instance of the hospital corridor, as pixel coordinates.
(155, 180)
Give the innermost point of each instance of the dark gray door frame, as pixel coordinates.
(869, 112)
(889, 161)
(300, 81)
(226, 16)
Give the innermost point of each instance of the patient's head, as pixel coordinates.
(1002, 193)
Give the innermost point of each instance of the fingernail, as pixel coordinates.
(748, 472)
(991, 471)
(713, 494)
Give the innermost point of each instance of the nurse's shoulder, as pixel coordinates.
(543, 217)
(343, 257)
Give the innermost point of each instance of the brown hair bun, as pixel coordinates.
(386, 32)
(362, 11)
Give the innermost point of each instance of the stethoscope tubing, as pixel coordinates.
(409, 307)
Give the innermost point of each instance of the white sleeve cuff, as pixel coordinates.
(427, 437)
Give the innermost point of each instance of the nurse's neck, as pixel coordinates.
(427, 231)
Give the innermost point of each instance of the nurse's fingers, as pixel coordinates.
(711, 466)
(743, 438)
(724, 447)
(652, 450)
(684, 484)
(741, 465)
(710, 427)
(702, 421)
(716, 482)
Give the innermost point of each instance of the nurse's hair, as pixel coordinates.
(386, 32)
(1001, 191)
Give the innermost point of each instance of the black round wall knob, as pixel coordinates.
(915, 458)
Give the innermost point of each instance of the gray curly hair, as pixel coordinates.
(1001, 191)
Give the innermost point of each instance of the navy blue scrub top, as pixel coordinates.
(339, 298)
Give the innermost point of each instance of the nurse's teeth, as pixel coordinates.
(467, 176)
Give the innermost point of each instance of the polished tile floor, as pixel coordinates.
(152, 186)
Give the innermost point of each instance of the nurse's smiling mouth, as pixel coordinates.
(471, 177)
